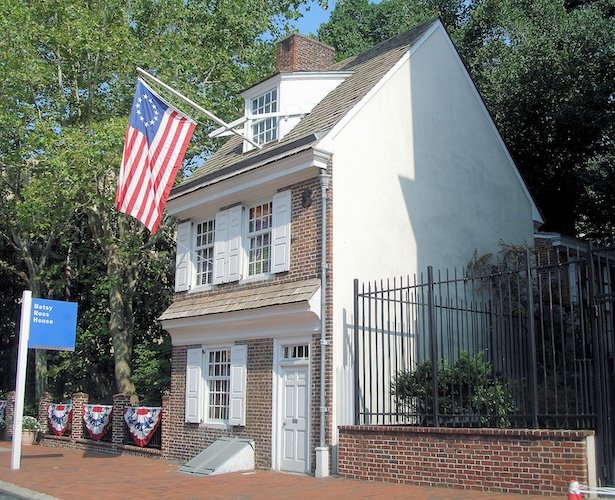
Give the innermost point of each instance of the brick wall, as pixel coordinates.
(74, 438)
(495, 460)
(9, 414)
(304, 248)
(300, 53)
(189, 440)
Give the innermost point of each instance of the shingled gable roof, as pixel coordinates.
(367, 69)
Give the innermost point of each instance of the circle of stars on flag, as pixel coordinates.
(147, 123)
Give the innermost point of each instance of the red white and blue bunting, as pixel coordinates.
(2, 408)
(142, 422)
(59, 416)
(97, 419)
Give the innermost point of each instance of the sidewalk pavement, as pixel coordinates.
(68, 474)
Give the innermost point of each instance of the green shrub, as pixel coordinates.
(469, 392)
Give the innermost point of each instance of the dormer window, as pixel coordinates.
(266, 129)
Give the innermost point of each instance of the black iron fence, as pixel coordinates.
(525, 343)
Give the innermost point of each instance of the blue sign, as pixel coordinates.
(53, 325)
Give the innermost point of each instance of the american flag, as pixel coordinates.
(156, 141)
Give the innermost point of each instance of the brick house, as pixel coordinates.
(377, 165)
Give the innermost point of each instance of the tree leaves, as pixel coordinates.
(67, 77)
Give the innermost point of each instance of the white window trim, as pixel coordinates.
(206, 388)
(251, 118)
(247, 236)
(257, 277)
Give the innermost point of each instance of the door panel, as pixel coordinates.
(294, 420)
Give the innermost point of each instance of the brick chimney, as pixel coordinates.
(300, 53)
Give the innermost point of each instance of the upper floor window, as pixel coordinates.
(259, 238)
(265, 130)
(241, 242)
(204, 249)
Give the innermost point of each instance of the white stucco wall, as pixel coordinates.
(420, 177)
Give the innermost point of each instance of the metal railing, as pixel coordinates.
(528, 343)
(506, 346)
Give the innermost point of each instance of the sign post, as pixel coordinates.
(20, 386)
(44, 324)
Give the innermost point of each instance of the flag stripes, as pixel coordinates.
(156, 141)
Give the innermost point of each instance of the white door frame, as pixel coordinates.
(277, 414)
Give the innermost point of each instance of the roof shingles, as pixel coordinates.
(242, 300)
(368, 68)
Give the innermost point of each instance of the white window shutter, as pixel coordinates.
(280, 232)
(183, 261)
(220, 248)
(234, 247)
(194, 383)
(239, 372)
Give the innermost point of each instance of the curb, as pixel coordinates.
(23, 493)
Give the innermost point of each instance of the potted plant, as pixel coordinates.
(29, 429)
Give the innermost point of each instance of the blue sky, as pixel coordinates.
(313, 17)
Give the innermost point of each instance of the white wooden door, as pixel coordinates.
(294, 419)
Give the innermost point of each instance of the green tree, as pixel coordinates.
(67, 75)
(546, 70)
(356, 25)
(33, 217)
(548, 75)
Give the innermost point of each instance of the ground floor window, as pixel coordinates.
(216, 384)
(218, 378)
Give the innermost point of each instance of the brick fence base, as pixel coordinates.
(75, 437)
(494, 460)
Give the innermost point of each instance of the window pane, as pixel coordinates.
(296, 352)
(259, 239)
(204, 246)
(265, 130)
(218, 383)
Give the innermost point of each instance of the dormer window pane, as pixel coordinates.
(265, 130)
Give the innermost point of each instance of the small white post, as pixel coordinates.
(20, 386)
(322, 461)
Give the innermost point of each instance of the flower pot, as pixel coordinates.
(28, 437)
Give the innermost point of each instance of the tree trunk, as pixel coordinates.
(40, 355)
(40, 370)
(120, 327)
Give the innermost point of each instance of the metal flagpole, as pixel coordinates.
(194, 105)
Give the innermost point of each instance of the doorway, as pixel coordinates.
(293, 408)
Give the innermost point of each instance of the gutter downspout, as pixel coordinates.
(322, 451)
